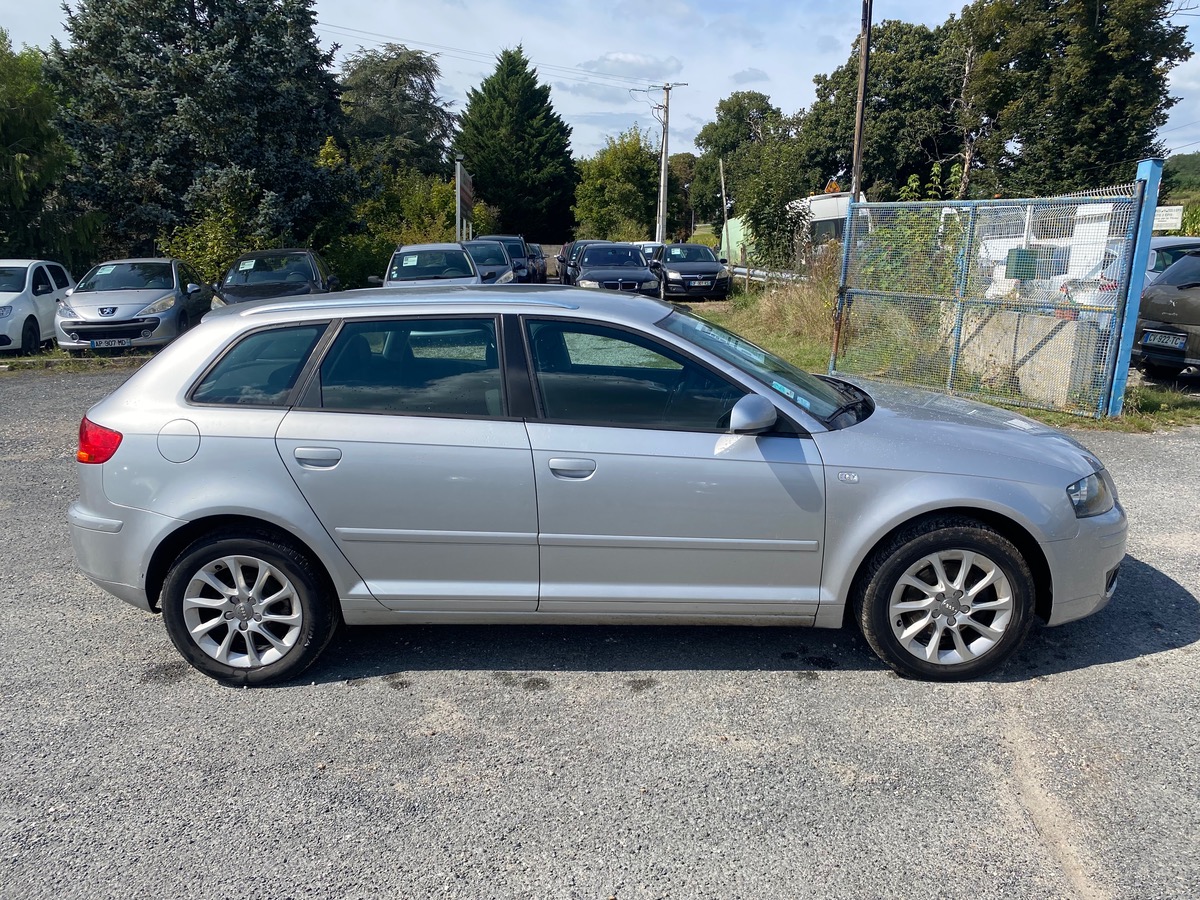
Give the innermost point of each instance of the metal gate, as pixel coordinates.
(1025, 302)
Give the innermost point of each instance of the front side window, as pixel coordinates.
(261, 369)
(597, 375)
(432, 367)
(41, 281)
(817, 397)
(130, 276)
(59, 274)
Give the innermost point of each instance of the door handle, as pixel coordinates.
(317, 457)
(573, 468)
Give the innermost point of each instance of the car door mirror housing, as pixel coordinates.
(752, 414)
(192, 288)
(333, 282)
(723, 261)
(488, 275)
(374, 280)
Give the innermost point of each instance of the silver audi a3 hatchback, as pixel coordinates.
(556, 455)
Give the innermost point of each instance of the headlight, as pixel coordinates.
(646, 285)
(672, 275)
(66, 311)
(5, 312)
(159, 306)
(506, 278)
(1090, 496)
(217, 302)
(584, 282)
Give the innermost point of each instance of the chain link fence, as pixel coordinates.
(1016, 301)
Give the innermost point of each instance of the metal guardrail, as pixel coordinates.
(764, 275)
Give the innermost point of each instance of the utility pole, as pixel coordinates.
(864, 56)
(660, 228)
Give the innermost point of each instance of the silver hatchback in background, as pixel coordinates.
(131, 303)
(553, 455)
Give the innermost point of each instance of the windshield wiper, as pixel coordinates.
(864, 401)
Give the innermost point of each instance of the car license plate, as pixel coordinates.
(702, 284)
(106, 343)
(1164, 339)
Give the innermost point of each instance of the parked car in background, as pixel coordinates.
(492, 261)
(518, 252)
(537, 263)
(568, 260)
(1163, 252)
(447, 263)
(275, 273)
(692, 270)
(30, 290)
(617, 267)
(519, 456)
(131, 303)
(1167, 339)
(648, 248)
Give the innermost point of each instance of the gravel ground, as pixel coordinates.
(590, 762)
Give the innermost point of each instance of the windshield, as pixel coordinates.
(134, 276)
(688, 253)
(421, 265)
(819, 398)
(12, 279)
(270, 269)
(487, 253)
(612, 255)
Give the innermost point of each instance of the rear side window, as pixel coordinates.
(432, 367)
(1184, 270)
(261, 369)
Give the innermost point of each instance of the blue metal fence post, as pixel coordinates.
(962, 280)
(1149, 172)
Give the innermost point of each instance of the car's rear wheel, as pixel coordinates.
(245, 608)
(946, 599)
(31, 337)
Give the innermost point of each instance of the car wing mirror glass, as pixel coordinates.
(752, 414)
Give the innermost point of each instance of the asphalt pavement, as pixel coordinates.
(591, 762)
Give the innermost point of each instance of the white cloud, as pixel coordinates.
(633, 65)
(747, 76)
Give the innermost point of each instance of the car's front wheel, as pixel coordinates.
(31, 337)
(245, 608)
(946, 599)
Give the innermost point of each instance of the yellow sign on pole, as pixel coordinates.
(832, 187)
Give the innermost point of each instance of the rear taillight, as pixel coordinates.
(97, 444)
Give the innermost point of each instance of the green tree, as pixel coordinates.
(1077, 89)
(769, 191)
(165, 101)
(34, 159)
(617, 194)
(742, 121)
(908, 119)
(681, 172)
(517, 148)
(395, 117)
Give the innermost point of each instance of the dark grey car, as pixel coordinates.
(1168, 326)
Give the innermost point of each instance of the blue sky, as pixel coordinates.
(599, 57)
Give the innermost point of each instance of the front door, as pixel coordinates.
(646, 505)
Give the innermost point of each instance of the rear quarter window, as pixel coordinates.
(1184, 270)
(261, 369)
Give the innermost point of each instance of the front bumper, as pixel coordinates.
(146, 331)
(687, 288)
(1084, 569)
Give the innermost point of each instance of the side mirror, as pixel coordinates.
(561, 259)
(374, 281)
(655, 264)
(752, 414)
(70, 291)
(521, 270)
(41, 289)
(333, 282)
(723, 261)
(213, 287)
(192, 288)
(489, 275)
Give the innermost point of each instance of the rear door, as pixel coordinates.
(404, 448)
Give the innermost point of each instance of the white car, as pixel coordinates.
(29, 293)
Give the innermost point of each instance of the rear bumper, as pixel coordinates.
(110, 546)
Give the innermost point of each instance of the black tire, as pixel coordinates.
(292, 583)
(31, 337)
(990, 624)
